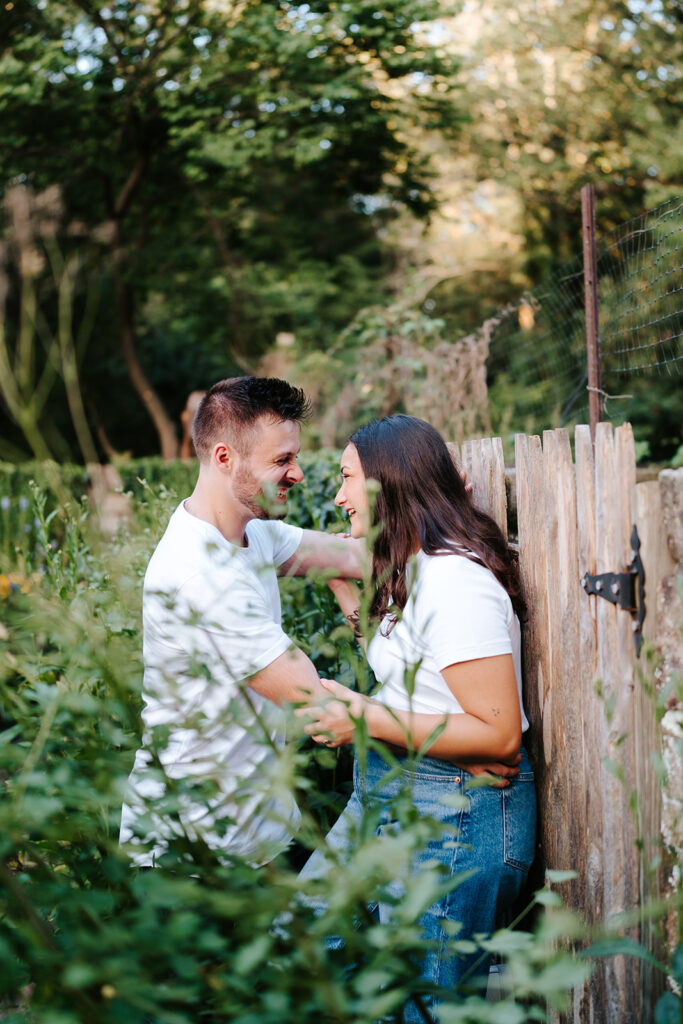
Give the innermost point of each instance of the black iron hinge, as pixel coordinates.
(625, 589)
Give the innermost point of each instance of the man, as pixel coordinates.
(218, 666)
(217, 662)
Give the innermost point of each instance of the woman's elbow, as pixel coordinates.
(508, 744)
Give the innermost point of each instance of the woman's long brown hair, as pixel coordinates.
(422, 503)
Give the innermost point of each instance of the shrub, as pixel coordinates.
(85, 937)
(61, 486)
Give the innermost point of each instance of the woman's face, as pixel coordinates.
(352, 495)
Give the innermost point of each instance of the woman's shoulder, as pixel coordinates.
(458, 568)
(450, 563)
(451, 584)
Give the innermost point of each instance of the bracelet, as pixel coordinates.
(353, 619)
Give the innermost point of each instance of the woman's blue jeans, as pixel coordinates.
(491, 832)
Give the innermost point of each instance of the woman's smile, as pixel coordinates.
(352, 495)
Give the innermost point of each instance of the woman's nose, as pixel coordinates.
(339, 497)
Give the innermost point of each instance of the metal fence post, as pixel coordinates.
(590, 278)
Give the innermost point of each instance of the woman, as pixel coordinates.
(446, 650)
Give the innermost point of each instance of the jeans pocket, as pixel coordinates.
(519, 823)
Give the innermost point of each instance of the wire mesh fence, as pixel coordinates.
(537, 373)
(641, 275)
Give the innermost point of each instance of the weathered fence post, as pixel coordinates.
(593, 725)
(590, 702)
(587, 1004)
(658, 509)
(484, 464)
(590, 282)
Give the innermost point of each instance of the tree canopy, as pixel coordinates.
(244, 155)
(566, 94)
(233, 169)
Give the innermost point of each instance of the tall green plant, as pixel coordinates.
(85, 936)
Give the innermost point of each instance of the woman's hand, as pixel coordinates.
(331, 723)
(498, 773)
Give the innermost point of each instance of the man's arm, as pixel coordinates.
(292, 678)
(317, 550)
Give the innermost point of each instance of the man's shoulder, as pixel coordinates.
(272, 530)
(182, 552)
(274, 539)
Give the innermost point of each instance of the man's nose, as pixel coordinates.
(295, 473)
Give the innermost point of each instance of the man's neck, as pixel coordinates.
(229, 518)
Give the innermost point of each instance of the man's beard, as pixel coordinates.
(252, 497)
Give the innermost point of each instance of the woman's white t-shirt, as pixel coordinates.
(456, 611)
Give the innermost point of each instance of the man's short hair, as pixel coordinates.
(230, 409)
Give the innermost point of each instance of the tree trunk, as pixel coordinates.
(165, 427)
(239, 348)
(392, 394)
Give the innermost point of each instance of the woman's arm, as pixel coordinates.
(491, 726)
(489, 730)
(348, 599)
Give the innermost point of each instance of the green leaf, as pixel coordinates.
(553, 877)
(618, 945)
(79, 975)
(669, 1009)
(677, 964)
(547, 898)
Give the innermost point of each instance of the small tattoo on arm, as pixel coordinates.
(496, 711)
(353, 619)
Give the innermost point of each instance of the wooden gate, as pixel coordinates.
(589, 699)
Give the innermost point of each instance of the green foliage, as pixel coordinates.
(244, 157)
(155, 487)
(393, 359)
(84, 936)
(140, 476)
(22, 534)
(669, 1008)
(653, 406)
(578, 93)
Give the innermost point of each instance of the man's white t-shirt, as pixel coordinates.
(457, 611)
(211, 619)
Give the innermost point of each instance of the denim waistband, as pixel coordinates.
(431, 766)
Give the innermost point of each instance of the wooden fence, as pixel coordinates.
(589, 699)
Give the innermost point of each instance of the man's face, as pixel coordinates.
(264, 475)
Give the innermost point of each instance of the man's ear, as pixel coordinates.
(223, 456)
